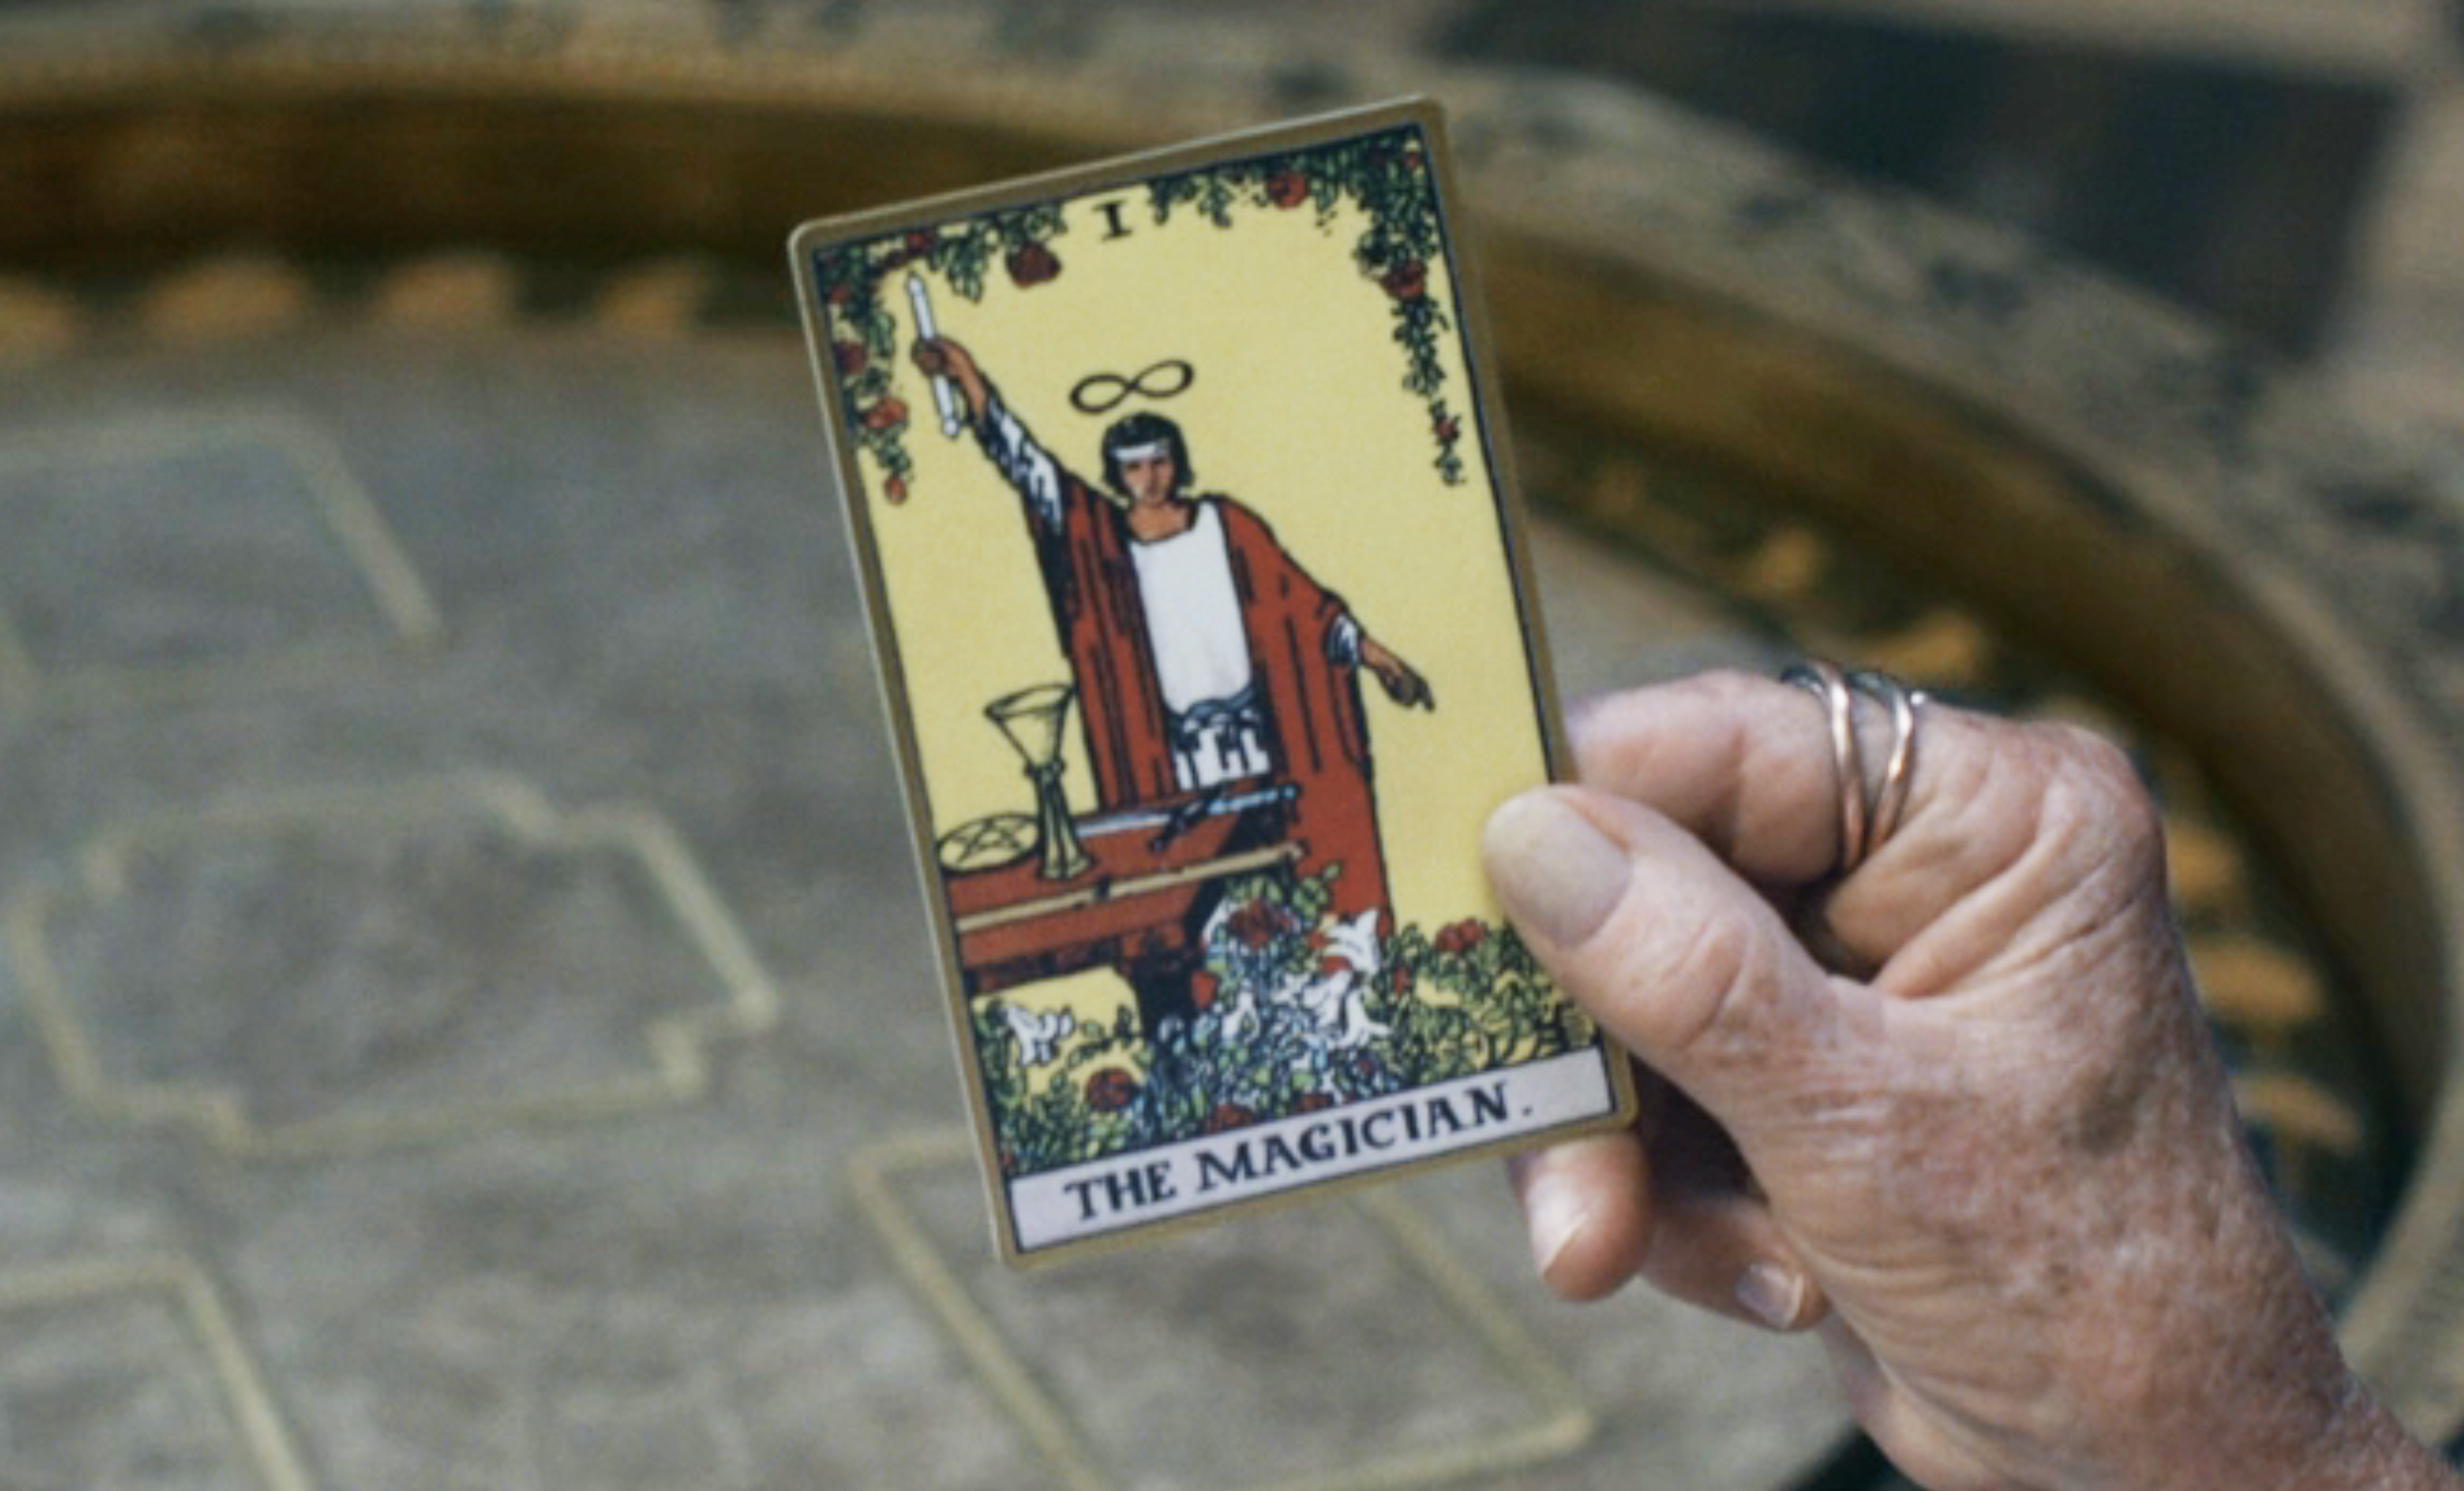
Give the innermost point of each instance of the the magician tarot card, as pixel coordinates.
(1198, 582)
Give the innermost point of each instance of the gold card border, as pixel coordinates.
(1488, 405)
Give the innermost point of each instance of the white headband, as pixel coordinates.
(1149, 451)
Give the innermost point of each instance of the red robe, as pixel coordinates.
(1314, 722)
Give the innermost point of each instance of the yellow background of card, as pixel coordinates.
(1297, 411)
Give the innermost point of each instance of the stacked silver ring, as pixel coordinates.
(1870, 809)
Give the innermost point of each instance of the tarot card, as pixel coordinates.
(1198, 581)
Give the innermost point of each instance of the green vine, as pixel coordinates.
(853, 279)
(1387, 175)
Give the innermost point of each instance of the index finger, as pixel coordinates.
(1743, 763)
(1746, 766)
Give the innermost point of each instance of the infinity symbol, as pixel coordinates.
(1100, 393)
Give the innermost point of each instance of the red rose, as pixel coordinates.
(1227, 1115)
(1313, 1103)
(895, 489)
(841, 295)
(1031, 264)
(1408, 281)
(1287, 188)
(919, 243)
(885, 415)
(1447, 429)
(849, 357)
(1258, 924)
(1111, 1089)
(1204, 987)
(1460, 937)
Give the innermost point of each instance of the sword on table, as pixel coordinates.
(1175, 821)
(944, 397)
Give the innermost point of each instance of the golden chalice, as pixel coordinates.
(1031, 719)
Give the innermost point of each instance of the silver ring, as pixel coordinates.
(1899, 768)
(1827, 683)
(1867, 816)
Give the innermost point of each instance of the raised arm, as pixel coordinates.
(938, 357)
(1029, 469)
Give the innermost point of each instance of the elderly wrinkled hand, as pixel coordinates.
(1981, 1144)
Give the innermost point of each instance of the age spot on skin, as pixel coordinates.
(2110, 1114)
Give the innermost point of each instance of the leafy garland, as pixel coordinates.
(864, 334)
(1387, 175)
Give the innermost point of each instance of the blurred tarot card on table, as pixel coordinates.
(1201, 596)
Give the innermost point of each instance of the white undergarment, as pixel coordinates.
(1201, 653)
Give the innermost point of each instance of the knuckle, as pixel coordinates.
(2053, 816)
(2097, 762)
(1731, 686)
(1708, 979)
(2096, 804)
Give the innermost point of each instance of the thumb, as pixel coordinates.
(1661, 942)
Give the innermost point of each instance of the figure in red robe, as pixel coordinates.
(1202, 653)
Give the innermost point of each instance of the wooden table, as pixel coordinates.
(1139, 907)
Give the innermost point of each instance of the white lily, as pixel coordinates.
(1338, 1003)
(1038, 1035)
(1355, 942)
(1240, 1019)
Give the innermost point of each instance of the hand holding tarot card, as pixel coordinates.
(1146, 466)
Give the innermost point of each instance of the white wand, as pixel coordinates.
(944, 397)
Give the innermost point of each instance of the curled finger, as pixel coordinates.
(1586, 1203)
(1714, 1243)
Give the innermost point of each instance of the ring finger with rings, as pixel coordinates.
(1871, 803)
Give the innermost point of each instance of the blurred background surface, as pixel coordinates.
(2295, 169)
